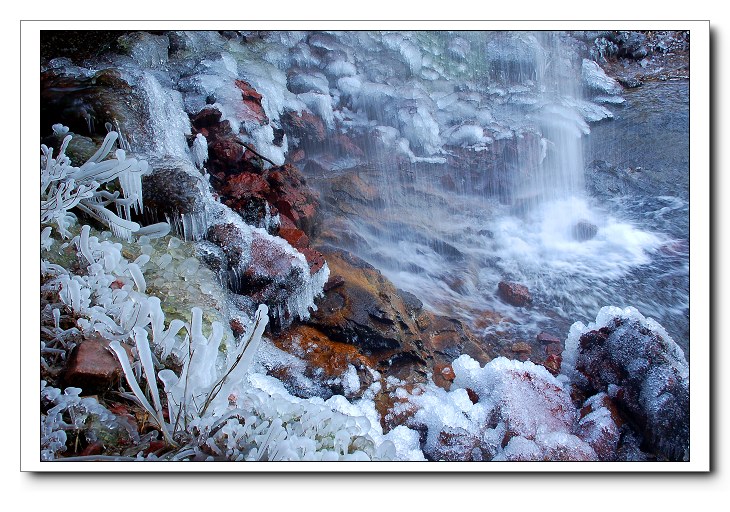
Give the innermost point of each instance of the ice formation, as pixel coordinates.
(638, 365)
(504, 411)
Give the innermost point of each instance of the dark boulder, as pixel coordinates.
(583, 231)
(643, 371)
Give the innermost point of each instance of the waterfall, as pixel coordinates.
(451, 161)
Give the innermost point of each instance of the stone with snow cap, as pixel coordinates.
(643, 370)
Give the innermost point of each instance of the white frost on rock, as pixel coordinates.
(595, 78)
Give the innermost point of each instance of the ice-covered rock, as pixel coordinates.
(643, 371)
(596, 79)
(505, 410)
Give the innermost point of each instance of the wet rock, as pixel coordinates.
(546, 338)
(352, 187)
(172, 192)
(226, 155)
(347, 146)
(583, 231)
(349, 312)
(642, 370)
(600, 426)
(325, 362)
(93, 367)
(367, 311)
(514, 294)
(86, 104)
(522, 349)
(630, 82)
(304, 126)
(333, 282)
(449, 338)
(447, 182)
(552, 363)
(292, 197)
(413, 304)
(253, 109)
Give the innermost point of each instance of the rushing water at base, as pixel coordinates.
(451, 249)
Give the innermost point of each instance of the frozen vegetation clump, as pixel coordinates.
(189, 374)
(64, 187)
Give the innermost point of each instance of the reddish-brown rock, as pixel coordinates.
(245, 183)
(296, 237)
(521, 347)
(305, 126)
(314, 258)
(254, 110)
(93, 367)
(552, 363)
(547, 338)
(348, 146)
(514, 294)
(292, 196)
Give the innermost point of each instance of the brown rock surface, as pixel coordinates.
(93, 367)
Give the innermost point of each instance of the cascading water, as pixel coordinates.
(459, 164)
(462, 166)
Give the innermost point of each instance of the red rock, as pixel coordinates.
(226, 154)
(347, 145)
(546, 338)
(252, 102)
(456, 445)
(296, 237)
(446, 371)
(603, 431)
(237, 327)
(554, 349)
(248, 92)
(514, 294)
(553, 363)
(292, 197)
(314, 258)
(92, 366)
(297, 155)
(244, 184)
(472, 395)
(304, 125)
